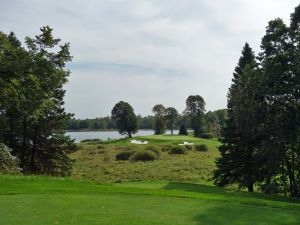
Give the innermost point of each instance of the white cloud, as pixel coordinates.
(147, 51)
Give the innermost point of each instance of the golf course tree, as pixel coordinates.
(32, 115)
(261, 138)
(195, 110)
(280, 60)
(171, 115)
(237, 164)
(183, 130)
(212, 124)
(159, 119)
(126, 120)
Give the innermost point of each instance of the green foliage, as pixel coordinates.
(154, 149)
(125, 155)
(8, 162)
(177, 150)
(189, 147)
(201, 148)
(183, 130)
(125, 118)
(143, 156)
(90, 140)
(100, 147)
(159, 119)
(261, 139)
(166, 148)
(195, 108)
(32, 118)
(171, 116)
(206, 135)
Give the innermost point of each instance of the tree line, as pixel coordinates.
(32, 115)
(261, 141)
(215, 120)
(206, 125)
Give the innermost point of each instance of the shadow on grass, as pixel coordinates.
(228, 214)
(199, 188)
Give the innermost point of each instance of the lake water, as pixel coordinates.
(105, 135)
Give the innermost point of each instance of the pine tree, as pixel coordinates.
(238, 162)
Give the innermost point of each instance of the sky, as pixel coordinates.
(147, 52)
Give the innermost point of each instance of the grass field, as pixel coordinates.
(43, 201)
(96, 161)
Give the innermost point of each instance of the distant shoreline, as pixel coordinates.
(102, 130)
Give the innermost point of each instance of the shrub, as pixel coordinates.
(201, 148)
(90, 140)
(100, 147)
(189, 147)
(8, 162)
(153, 149)
(143, 156)
(166, 148)
(182, 130)
(177, 150)
(125, 155)
(206, 135)
(129, 148)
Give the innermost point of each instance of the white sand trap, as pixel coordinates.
(187, 143)
(138, 142)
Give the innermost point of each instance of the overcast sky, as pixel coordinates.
(147, 51)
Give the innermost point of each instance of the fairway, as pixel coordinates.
(42, 200)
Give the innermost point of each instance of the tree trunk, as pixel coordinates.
(129, 135)
(250, 187)
(291, 174)
(32, 158)
(24, 139)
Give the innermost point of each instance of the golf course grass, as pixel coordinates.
(96, 161)
(172, 189)
(44, 200)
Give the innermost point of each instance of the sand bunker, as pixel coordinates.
(187, 143)
(138, 142)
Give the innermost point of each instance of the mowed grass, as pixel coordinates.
(44, 200)
(96, 161)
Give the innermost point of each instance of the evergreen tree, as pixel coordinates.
(182, 130)
(238, 161)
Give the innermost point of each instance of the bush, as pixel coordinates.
(189, 147)
(177, 150)
(90, 140)
(143, 156)
(125, 155)
(129, 148)
(166, 148)
(100, 147)
(153, 149)
(8, 162)
(206, 135)
(201, 148)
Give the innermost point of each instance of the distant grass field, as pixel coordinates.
(96, 161)
(45, 201)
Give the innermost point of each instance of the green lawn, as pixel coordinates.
(100, 165)
(43, 201)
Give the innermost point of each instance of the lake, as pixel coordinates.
(105, 135)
